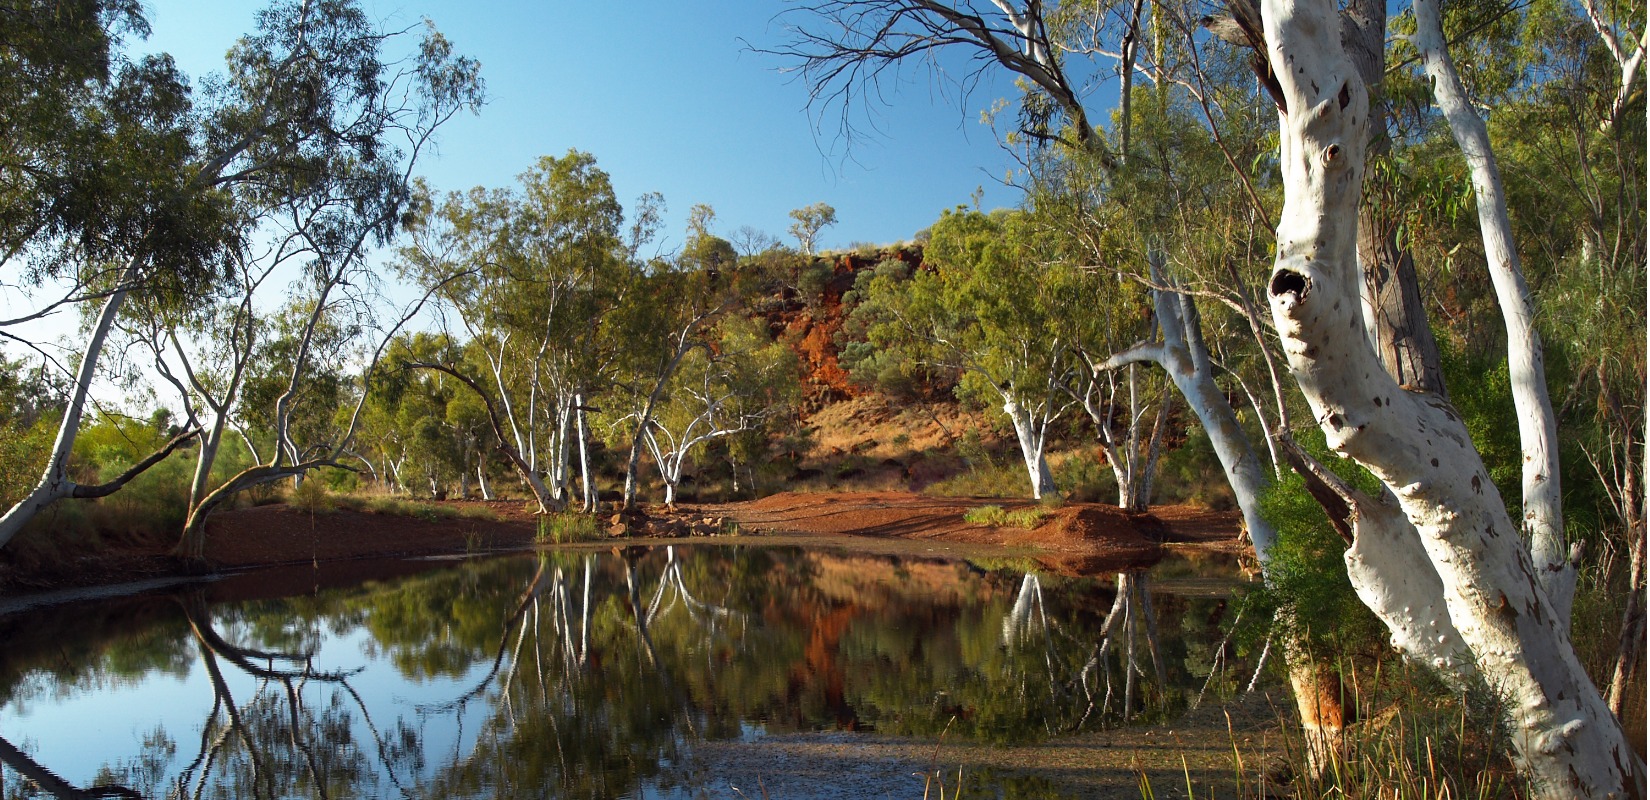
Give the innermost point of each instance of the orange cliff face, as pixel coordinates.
(812, 326)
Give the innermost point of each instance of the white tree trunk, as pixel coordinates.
(1031, 433)
(481, 480)
(210, 442)
(587, 489)
(1537, 424)
(1184, 358)
(1393, 577)
(54, 483)
(1415, 443)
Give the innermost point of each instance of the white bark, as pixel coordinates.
(1565, 737)
(1537, 424)
(1628, 62)
(1184, 358)
(587, 488)
(54, 483)
(1391, 574)
(1031, 432)
(1133, 462)
(481, 480)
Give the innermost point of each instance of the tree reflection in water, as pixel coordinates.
(587, 674)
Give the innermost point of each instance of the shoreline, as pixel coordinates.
(1075, 538)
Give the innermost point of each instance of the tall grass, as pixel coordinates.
(566, 527)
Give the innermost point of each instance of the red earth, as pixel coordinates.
(354, 545)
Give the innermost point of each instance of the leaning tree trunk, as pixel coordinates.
(1414, 443)
(1184, 357)
(54, 483)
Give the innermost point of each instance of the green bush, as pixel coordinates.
(893, 269)
(1085, 479)
(811, 281)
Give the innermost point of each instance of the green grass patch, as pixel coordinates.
(566, 527)
(999, 517)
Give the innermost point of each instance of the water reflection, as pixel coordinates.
(577, 674)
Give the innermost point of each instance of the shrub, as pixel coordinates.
(811, 281)
(893, 269)
(1084, 479)
(312, 496)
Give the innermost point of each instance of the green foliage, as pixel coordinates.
(1192, 474)
(1306, 578)
(1480, 390)
(999, 517)
(811, 280)
(1084, 479)
(24, 448)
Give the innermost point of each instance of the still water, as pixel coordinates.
(586, 674)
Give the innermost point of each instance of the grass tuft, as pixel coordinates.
(999, 517)
(566, 527)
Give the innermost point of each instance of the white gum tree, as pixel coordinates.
(529, 272)
(1436, 557)
(308, 123)
(739, 386)
(1563, 733)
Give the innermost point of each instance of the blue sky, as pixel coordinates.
(669, 97)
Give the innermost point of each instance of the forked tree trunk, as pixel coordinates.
(1031, 433)
(1415, 444)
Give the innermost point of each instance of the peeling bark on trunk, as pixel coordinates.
(1393, 310)
(1564, 735)
(1323, 711)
